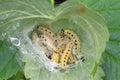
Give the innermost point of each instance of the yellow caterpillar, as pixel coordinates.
(60, 50)
(72, 36)
(66, 54)
(47, 41)
(34, 36)
(71, 59)
(57, 53)
(55, 57)
(61, 38)
(47, 32)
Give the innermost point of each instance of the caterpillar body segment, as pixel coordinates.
(60, 40)
(60, 49)
(55, 57)
(72, 36)
(47, 42)
(34, 36)
(71, 59)
(66, 54)
(58, 52)
(50, 34)
(47, 32)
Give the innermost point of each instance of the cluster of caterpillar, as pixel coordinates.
(61, 47)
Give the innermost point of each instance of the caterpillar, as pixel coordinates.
(71, 59)
(47, 41)
(46, 31)
(61, 38)
(57, 53)
(66, 54)
(55, 57)
(60, 50)
(49, 33)
(60, 35)
(46, 51)
(72, 36)
(34, 36)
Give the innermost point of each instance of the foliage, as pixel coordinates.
(90, 26)
(110, 10)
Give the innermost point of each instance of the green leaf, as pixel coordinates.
(29, 12)
(20, 17)
(8, 62)
(111, 11)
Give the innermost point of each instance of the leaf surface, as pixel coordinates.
(8, 62)
(110, 10)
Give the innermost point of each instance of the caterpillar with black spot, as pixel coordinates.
(36, 38)
(65, 55)
(60, 38)
(46, 31)
(59, 50)
(72, 36)
(71, 59)
(49, 33)
(47, 41)
(57, 53)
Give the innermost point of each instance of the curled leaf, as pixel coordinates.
(88, 25)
